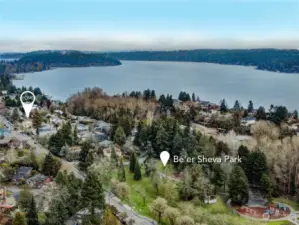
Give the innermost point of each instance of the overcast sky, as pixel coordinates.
(115, 25)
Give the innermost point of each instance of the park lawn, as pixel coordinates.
(218, 207)
(283, 222)
(291, 203)
(135, 200)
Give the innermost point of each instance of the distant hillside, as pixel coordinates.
(68, 59)
(286, 61)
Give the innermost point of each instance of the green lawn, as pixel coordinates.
(284, 222)
(218, 207)
(293, 204)
(135, 199)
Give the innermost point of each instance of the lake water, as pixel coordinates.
(208, 81)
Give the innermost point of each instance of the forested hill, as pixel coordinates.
(286, 61)
(68, 59)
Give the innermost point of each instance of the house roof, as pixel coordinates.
(37, 178)
(106, 142)
(24, 170)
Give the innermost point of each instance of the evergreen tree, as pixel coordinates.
(219, 176)
(51, 166)
(113, 158)
(261, 113)
(133, 159)
(75, 136)
(295, 114)
(238, 186)
(243, 153)
(250, 107)
(266, 186)
(83, 164)
(58, 212)
(31, 214)
(120, 136)
(223, 106)
(19, 219)
(256, 166)
(280, 115)
(92, 193)
(193, 97)
(137, 174)
(56, 142)
(61, 178)
(36, 121)
(66, 132)
(237, 106)
(25, 199)
(15, 115)
(121, 171)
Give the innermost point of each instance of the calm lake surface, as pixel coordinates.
(208, 81)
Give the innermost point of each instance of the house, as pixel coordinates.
(4, 142)
(22, 173)
(38, 180)
(105, 143)
(248, 121)
(82, 127)
(102, 126)
(100, 136)
(16, 143)
(4, 92)
(59, 112)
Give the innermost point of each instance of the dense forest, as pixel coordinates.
(286, 61)
(44, 60)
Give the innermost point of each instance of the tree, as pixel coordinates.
(237, 106)
(66, 132)
(58, 212)
(184, 220)
(219, 176)
(223, 106)
(120, 136)
(169, 191)
(19, 219)
(137, 172)
(250, 107)
(171, 214)
(31, 214)
(238, 186)
(133, 159)
(36, 121)
(15, 115)
(122, 190)
(266, 186)
(56, 142)
(295, 114)
(92, 193)
(75, 136)
(51, 166)
(261, 113)
(109, 218)
(61, 178)
(121, 171)
(256, 166)
(25, 199)
(243, 153)
(158, 207)
(193, 97)
(113, 158)
(280, 115)
(83, 164)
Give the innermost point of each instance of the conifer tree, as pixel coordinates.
(238, 186)
(121, 171)
(132, 162)
(113, 158)
(137, 174)
(75, 135)
(51, 166)
(36, 121)
(92, 195)
(31, 215)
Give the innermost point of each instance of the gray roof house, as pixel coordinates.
(105, 143)
(22, 173)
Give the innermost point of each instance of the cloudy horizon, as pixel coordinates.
(126, 25)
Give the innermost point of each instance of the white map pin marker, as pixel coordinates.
(164, 156)
(27, 106)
